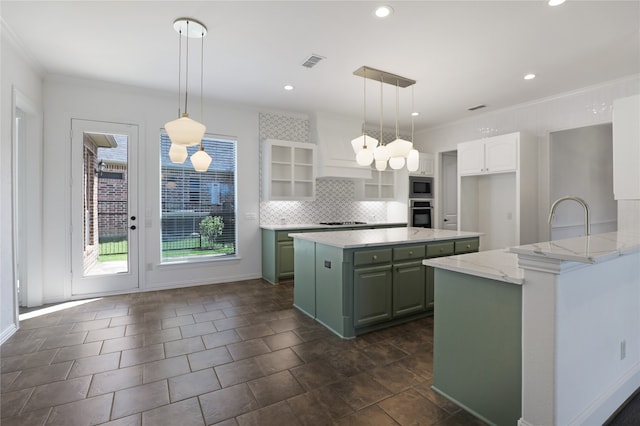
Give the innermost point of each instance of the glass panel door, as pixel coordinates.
(104, 237)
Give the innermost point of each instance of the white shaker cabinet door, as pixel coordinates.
(471, 158)
(626, 148)
(501, 154)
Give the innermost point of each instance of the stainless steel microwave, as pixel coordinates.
(420, 187)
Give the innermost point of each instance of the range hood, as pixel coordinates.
(333, 134)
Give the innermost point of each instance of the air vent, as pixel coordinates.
(473, 108)
(312, 61)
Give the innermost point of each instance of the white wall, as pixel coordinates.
(66, 98)
(589, 106)
(581, 164)
(18, 78)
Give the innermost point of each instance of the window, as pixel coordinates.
(199, 208)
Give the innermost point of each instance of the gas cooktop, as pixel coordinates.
(342, 223)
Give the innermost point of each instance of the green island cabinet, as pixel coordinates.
(277, 249)
(354, 291)
(477, 357)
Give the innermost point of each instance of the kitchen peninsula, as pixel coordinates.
(357, 281)
(552, 328)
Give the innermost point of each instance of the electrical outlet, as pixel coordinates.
(623, 349)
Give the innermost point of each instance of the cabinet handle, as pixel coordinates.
(374, 257)
(410, 253)
(441, 250)
(468, 245)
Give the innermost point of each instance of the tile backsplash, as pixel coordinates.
(335, 198)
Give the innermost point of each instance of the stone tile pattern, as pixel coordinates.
(334, 197)
(233, 354)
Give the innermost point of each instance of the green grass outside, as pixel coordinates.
(110, 246)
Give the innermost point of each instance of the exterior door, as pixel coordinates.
(104, 216)
(449, 191)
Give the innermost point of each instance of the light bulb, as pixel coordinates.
(364, 157)
(201, 160)
(413, 160)
(396, 163)
(178, 153)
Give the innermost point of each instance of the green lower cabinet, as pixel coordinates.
(285, 260)
(372, 295)
(429, 287)
(408, 288)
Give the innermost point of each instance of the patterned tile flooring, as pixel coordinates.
(226, 354)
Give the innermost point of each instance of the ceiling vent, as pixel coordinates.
(473, 108)
(312, 61)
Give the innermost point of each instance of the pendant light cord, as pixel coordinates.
(201, 81)
(186, 78)
(381, 110)
(397, 108)
(413, 109)
(364, 110)
(179, 68)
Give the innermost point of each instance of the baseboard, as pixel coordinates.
(7, 332)
(601, 409)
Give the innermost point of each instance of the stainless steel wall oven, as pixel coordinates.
(421, 214)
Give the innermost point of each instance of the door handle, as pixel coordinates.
(132, 227)
(445, 219)
(133, 218)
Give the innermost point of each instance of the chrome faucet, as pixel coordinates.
(587, 220)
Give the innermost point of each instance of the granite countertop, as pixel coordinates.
(497, 265)
(295, 226)
(591, 249)
(382, 237)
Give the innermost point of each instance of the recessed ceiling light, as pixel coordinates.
(556, 2)
(288, 87)
(530, 76)
(383, 11)
(415, 114)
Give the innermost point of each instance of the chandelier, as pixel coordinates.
(184, 131)
(367, 149)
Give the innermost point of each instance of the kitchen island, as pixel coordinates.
(541, 334)
(357, 281)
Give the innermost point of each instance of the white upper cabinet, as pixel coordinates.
(626, 148)
(333, 135)
(288, 170)
(425, 165)
(497, 154)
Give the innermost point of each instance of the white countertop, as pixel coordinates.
(592, 249)
(382, 237)
(498, 265)
(295, 226)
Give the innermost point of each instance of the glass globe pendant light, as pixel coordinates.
(178, 153)
(381, 153)
(413, 159)
(398, 148)
(184, 130)
(364, 145)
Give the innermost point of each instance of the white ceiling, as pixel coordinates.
(462, 53)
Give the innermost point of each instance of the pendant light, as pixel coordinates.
(178, 153)
(364, 145)
(413, 159)
(184, 130)
(381, 153)
(399, 148)
(200, 159)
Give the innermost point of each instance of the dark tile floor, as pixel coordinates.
(226, 354)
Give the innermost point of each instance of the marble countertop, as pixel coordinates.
(498, 265)
(382, 237)
(296, 226)
(592, 249)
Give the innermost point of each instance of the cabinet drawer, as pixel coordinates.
(440, 249)
(408, 253)
(284, 236)
(467, 246)
(369, 257)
